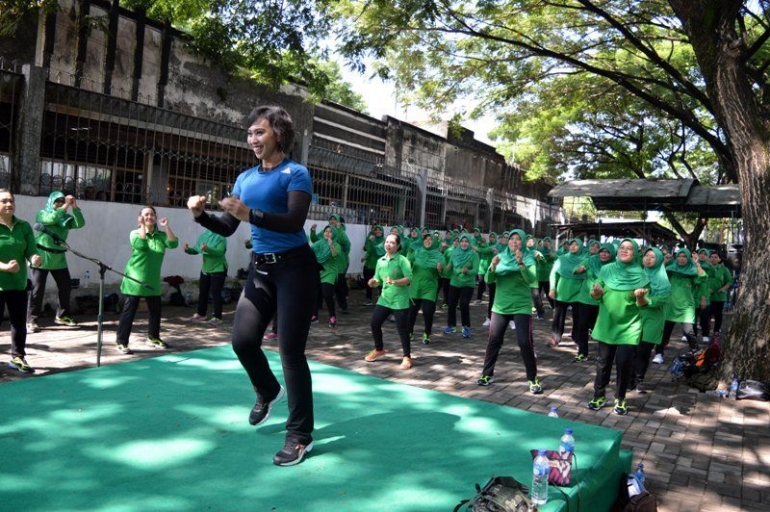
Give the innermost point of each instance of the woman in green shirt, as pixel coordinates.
(463, 264)
(495, 249)
(148, 248)
(621, 289)
(544, 266)
(513, 271)
(373, 250)
(685, 274)
(565, 286)
(719, 283)
(585, 310)
(213, 247)
(394, 274)
(56, 218)
(328, 253)
(653, 316)
(427, 264)
(17, 246)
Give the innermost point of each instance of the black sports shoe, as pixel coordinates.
(292, 453)
(261, 410)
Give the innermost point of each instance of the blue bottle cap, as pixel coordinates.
(568, 431)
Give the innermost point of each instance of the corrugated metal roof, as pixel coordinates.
(686, 195)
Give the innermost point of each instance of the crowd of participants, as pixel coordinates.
(628, 299)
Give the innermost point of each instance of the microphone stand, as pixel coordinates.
(103, 268)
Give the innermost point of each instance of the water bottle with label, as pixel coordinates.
(86, 279)
(567, 442)
(538, 491)
(734, 385)
(640, 476)
(554, 413)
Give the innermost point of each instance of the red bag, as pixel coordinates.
(561, 466)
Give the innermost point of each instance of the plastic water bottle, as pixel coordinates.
(86, 279)
(538, 491)
(734, 388)
(554, 413)
(567, 442)
(640, 476)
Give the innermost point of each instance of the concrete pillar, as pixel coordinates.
(26, 178)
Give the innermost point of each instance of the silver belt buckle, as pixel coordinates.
(270, 257)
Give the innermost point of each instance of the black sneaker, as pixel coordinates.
(261, 410)
(292, 453)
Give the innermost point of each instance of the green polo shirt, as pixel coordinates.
(513, 295)
(214, 257)
(397, 267)
(16, 243)
(145, 263)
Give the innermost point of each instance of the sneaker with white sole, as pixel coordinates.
(33, 327)
(706, 339)
(19, 364)
(658, 359)
(261, 410)
(64, 320)
(512, 325)
(487, 322)
(292, 453)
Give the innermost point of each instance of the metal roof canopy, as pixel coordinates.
(686, 195)
(650, 231)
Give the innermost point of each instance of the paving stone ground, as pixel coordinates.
(701, 453)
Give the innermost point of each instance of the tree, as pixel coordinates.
(699, 65)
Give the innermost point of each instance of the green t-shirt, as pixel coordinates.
(60, 222)
(397, 267)
(424, 281)
(16, 243)
(720, 278)
(681, 305)
(214, 259)
(145, 263)
(513, 294)
(620, 318)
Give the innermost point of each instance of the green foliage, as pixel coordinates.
(581, 89)
(13, 11)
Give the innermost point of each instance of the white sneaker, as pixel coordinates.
(486, 323)
(706, 339)
(658, 359)
(684, 338)
(512, 325)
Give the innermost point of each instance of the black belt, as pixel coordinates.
(269, 258)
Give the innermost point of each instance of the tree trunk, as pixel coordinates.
(710, 24)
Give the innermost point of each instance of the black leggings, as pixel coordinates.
(463, 297)
(211, 284)
(545, 288)
(287, 290)
(16, 302)
(341, 291)
(130, 304)
(668, 328)
(428, 311)
(368, 274)
(642, 360)
(379, 315)
(716, 310)
(497, 327)
(38, 277)
(560, 318)
(482, 287)
(327, 295)
(582, 316)
(537, 301)
(444, 285)
(623, 356)
(492, 289)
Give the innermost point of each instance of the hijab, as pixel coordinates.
(321, 247)
(622, 276)
(686, 270)
(659, 282)
(460, 257)
(428, 257)
(569, 261)
(508, 263)
(595, 264)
